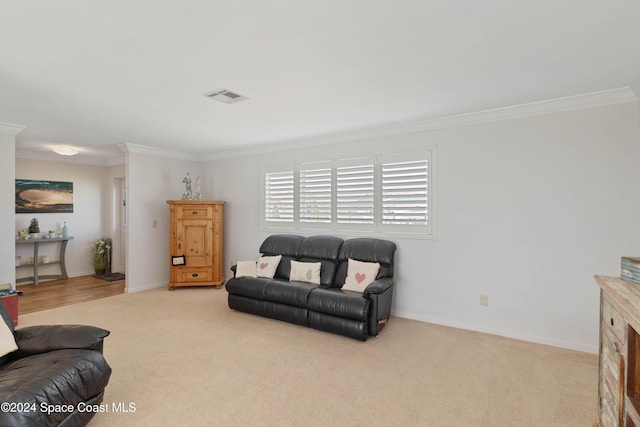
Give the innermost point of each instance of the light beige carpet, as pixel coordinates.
(185, 358)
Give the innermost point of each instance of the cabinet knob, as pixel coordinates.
(194, 213)
(194, 275)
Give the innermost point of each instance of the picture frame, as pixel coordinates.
(39, 196)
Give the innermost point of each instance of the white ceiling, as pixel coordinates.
(96, 74)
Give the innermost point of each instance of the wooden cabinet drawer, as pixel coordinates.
(195, 275)
(614, 321)
(610, 361)
(195, 211)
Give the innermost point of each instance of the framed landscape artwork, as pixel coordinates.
(34, 196)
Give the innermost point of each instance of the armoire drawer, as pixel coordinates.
(195, 275)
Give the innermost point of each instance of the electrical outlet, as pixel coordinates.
(484, 300)
(155, 223)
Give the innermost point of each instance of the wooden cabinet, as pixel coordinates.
(196, 247)
(619, 368)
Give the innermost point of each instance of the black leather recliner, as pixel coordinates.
(326, 306)
(56, 377)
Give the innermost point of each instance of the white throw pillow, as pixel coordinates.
(267, 266)
(359, 275)
(305, 272)
(7, 341)
(246, 269)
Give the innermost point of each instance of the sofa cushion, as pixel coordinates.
(338, 325)
(291, 293)
(286, 245)
(246, 269)
(281, 244)
(6, 317)
(7, 341)
(65, 377)
(321, 247)
(324, 249)
(339, 303)
(267, 265)
(367, 250)
(44, 338)
(252, 287)
(359, 275)
(308, 272)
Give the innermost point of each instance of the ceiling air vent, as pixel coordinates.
(226, 96)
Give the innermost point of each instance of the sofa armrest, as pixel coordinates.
(380, 293)
(41, 339)
(379, 286)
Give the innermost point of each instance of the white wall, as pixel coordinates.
(151, 181)
(112, 223)
(90, 219)
(529, 210)
(7, 202)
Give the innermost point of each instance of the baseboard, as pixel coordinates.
(147, 287)
(570, 345)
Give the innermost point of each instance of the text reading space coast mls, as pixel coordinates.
(47, 408)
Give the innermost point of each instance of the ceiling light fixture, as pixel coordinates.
(226, 96)
(65, 150)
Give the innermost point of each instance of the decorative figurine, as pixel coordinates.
(198, 195)
(187, 195)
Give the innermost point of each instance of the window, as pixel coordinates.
(279, 196)
(386, 193)
(315, 193)
(405, 193)
(354, 194)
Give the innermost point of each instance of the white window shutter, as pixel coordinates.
(405, 193)
(279, 196)
(391, 193)
(315, 193)
(355, 194)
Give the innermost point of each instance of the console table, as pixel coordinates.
(36, 262)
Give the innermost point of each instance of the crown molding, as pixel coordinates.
(79, 160)
(11, 128)
(568, 103)
(153, 151)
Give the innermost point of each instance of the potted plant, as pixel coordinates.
(101, 256)
(34, 228)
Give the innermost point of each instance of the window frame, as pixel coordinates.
(413, 231)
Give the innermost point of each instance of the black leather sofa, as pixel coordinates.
(326, 306)
(56, 377)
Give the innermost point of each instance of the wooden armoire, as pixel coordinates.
(196, 247)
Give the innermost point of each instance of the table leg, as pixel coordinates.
(35, 263)
(63, 268)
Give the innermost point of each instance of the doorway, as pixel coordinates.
(119, 233)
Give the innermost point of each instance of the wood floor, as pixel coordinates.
(56, 293)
